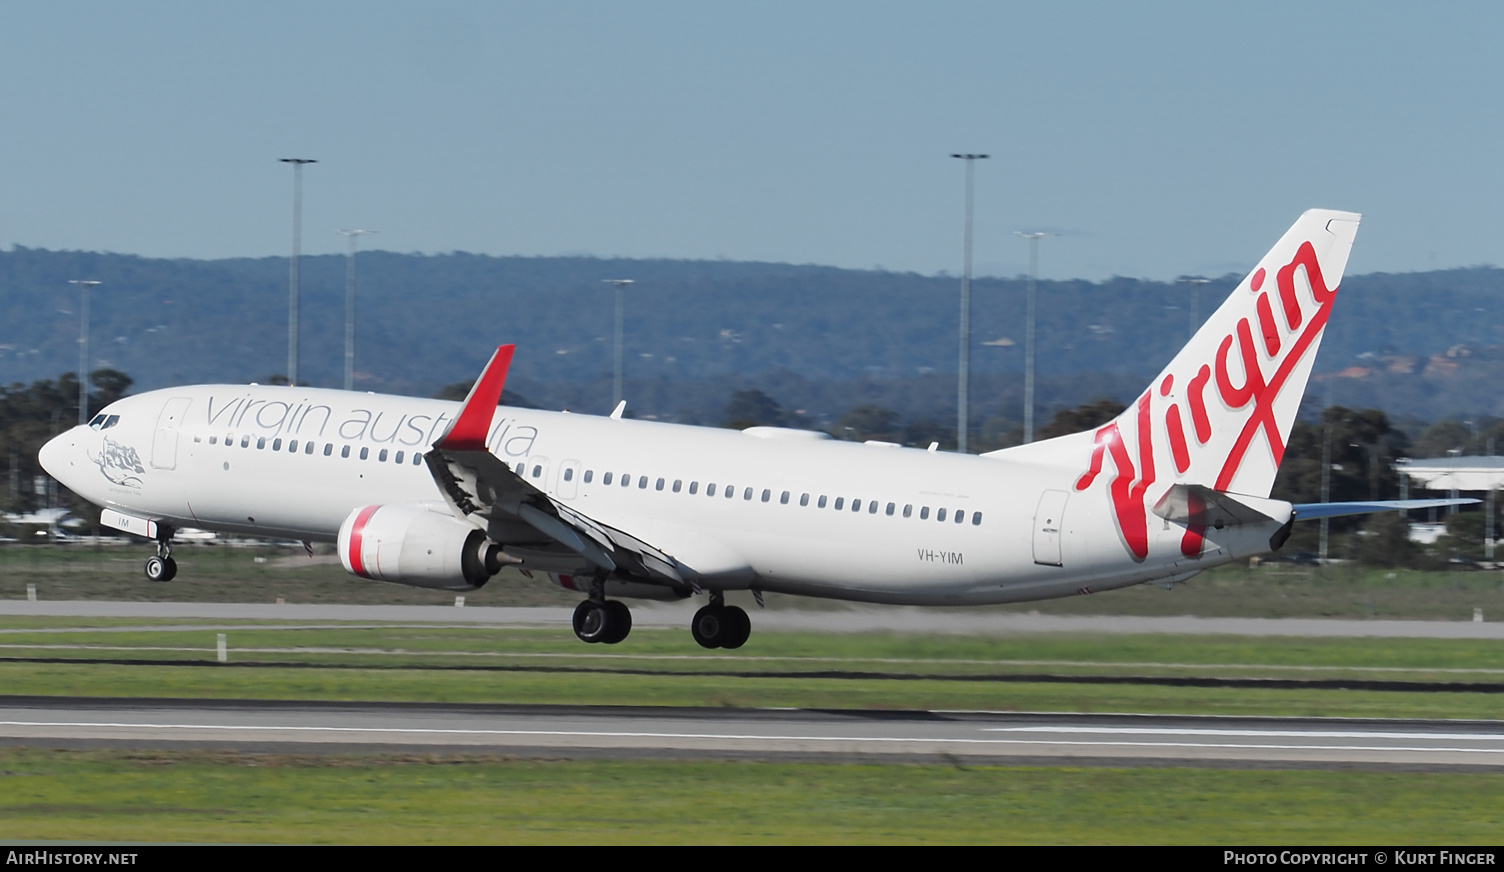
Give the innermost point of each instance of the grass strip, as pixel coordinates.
(224, 797)
(595, 688)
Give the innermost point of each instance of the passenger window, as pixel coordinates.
(381, 458)
(766, 494)
(197, 438)
(589, 476)
(804, 499)
(730, 491)
(924, 513)
(276, 444)
(976, 519)
(364, 452)
(328, 448)
(260, 443)
(960, 516)
(399, 457)
(856, 505)
(840, 503)
(537, 470)
(245, 442)
(642, 482)
(889, 512)
(747, 494)
(344, 451)
(939, 514)
(626, 480)
(658, 485)
(417, 459)
(569, 473)
(694, 488)
(678, 485)
(821, 503)
(229, 439)
(710, 489)
(308, 447)
(213, 440)
(908, 510)
(606, 479)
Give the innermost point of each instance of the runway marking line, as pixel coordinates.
(1193, 731)
(603, 734)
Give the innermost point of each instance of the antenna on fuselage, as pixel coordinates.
(620, 407)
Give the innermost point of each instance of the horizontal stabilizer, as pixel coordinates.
(1307, 511)
(1200, 506)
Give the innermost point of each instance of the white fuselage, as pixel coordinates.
(771, 510)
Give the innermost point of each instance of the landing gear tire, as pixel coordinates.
(738, 628)
(591, 621)
(161, 568)
(619, 623)
(721, 626)
(602, 621)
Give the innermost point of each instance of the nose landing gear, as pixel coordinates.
(162, 567)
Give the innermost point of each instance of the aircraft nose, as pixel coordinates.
(58, 456)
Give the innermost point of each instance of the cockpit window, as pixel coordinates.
(104, 422)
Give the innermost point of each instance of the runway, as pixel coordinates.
(838, 619)
(818, 735)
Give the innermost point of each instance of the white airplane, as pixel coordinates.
(439, 495)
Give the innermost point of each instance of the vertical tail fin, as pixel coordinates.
(1219, 414)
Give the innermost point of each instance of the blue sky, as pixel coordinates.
(1157, 139)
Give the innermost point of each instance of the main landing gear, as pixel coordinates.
(602, 620)
(162, 567)
(719, 625)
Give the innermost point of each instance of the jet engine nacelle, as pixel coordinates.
(413, 545)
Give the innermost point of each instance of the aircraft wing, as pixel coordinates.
(481, 489)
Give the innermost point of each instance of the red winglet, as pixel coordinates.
(470, 429)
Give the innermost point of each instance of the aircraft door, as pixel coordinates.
(1048, 522)
(569, 479)
(164, 443)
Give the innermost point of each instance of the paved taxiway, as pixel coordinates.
(564, 731)
(833, 620)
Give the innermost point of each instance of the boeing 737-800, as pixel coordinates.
(439, 495)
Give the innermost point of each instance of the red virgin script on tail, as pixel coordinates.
(1257, 392)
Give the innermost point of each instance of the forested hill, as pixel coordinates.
(426, 321)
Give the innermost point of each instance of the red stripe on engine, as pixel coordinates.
(357, 535)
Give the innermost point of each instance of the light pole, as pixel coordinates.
(1195, 282)
(963, 378)
(84, 287)
(292, 275)
(351, 235)
(1033, 238)
(620, 285)
(1326, 488)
